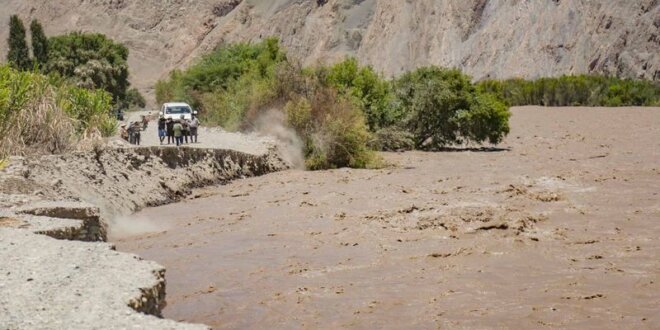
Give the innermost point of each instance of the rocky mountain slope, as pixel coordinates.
(486, 38)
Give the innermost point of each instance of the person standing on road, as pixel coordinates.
(169, 125)
(134, 133)
(186, 127)
(178, 133)
(194, 124)
(162, 129)
(123, 132)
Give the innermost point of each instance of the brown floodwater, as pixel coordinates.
(559, 228)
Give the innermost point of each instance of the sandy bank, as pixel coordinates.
(49, 204)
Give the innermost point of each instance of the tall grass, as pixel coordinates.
(583, 90)
(43, 115)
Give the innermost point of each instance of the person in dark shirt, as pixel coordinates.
(134, 133)
(162, 129)
(186, 127)
(169, 125)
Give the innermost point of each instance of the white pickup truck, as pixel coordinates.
(176, 110)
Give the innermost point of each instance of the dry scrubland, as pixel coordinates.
(558, 228)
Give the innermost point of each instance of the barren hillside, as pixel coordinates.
(487, 38)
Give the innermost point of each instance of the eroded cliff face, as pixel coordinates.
(90, 196)
(486, 38)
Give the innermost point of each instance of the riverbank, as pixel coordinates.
(48, 205)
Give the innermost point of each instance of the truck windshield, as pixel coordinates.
(177, 110)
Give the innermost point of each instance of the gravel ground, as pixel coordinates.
(36, 223)
(87, 285)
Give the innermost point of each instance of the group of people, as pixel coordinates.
(179, 130)
(132, 133)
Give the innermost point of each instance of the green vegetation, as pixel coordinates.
(39, 44)
(19, 53)
(581, 90)
(227, 83)
(342, 113)
(441, 107)
(39, 114)
(393, 139)
(87, 60)
(135, 99)
(91, 61)
(234, 86)
(332, 127)
(371, 92)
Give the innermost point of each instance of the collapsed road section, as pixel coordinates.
(55, 216)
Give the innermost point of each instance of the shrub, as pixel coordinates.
(89, 109)
(134, 99)
(371, 92)
(225, 65)
(442, 108)
(487, 120)
(583, 90)
(172, 89)
(333, 129)
(238, 106)
(393, 139)
(299, 116)
(43, 115)
(236, 85)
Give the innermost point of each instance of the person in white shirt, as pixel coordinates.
(194, 124)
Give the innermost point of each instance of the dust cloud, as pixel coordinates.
(272, 123)
(123, 226)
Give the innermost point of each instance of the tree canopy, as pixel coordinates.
(39, 43)
(19, 53)
(442, 107)
(371, 91)
(91, 60)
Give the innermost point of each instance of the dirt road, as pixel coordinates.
(208, 137)
(559, 229)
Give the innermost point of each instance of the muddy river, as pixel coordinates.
(558, 228)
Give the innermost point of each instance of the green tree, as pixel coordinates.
(135, 99)
(371, 92)
(582, 90)
(19, 53)
(240, 86)
(442, 108)
(487, 120)
(39, 43)
(91, 61)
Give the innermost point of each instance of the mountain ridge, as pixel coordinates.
(485, 38)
